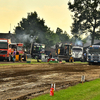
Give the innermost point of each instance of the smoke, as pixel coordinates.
(78, 42)
(25, 37)
(33, 39)
(88, 39)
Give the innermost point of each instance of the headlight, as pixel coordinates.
(80, 54)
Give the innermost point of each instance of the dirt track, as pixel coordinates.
(22, 82)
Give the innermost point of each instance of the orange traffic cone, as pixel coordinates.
(52, 91)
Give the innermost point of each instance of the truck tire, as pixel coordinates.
(9, 58)
(67, 60)
(90, 63)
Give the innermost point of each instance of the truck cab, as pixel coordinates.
(5, 50)
(93, 54)
(37, 50)
(19, 50)
(64, 52)
(77, 53)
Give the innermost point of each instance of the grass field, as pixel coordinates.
(34, 61)
(87, 91)
(81, 62)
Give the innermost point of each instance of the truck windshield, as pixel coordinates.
(94, 51)
(36, 49)
(66, 49)
(3, 45)
(77, 49)
(19, 48)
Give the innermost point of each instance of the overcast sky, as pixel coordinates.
(54, 12)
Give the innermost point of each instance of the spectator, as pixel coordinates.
(56, 56)
(37, 57)
(84, 57)
(50, 56)
(14, 53)
(12, 57)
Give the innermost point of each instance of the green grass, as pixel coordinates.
(87, 91)
(12, 64)
(81, 62)
(34, 61)
(75, 62)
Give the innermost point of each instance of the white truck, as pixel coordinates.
(77, 53)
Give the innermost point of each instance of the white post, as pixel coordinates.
(54, 86)
(83, 78)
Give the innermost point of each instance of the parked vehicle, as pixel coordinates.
(20, 53)
(5, 50)
(64, 52)
(37, 50)
(77, 53)
(93, 54)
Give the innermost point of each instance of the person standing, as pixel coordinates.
(50, 56)
(14, 53)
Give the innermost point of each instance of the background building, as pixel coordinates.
(8, 36)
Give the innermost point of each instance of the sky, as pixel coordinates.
(54, 12)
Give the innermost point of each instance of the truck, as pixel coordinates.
(77, 53)
(37, 49)
(93, 54)
(5, 49)
(20, 53)
(64, 52)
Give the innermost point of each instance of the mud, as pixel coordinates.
(23, 82)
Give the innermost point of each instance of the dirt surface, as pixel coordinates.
(22, 82)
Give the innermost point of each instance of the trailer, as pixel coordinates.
(93, 54)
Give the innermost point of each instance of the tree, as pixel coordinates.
(51, 38)
(34, 28)
(58, 31)
(30, 26)
(63, 37)
(86, 17)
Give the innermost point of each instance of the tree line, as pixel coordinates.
(86, 18)
(33, 29)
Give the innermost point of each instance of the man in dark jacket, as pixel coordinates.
(50, 56)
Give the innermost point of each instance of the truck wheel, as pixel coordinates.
(90, 63)
(67, 60)
(9, 59)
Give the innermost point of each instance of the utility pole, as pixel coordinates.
(10, 27)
